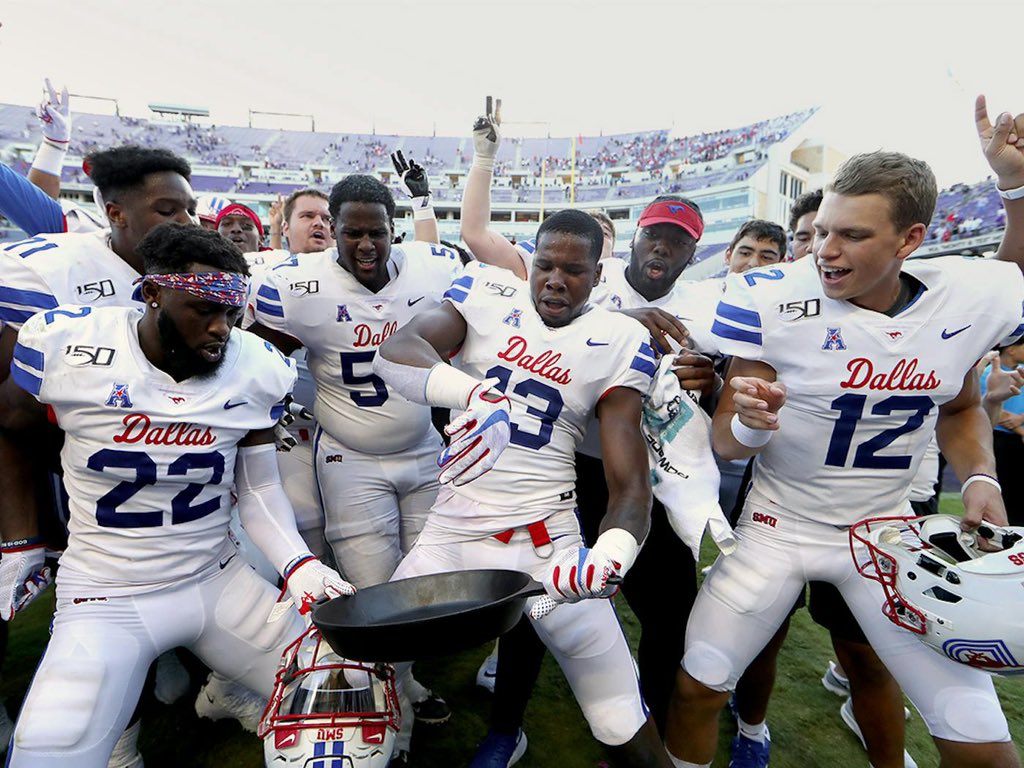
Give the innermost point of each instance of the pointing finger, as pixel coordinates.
(489, 106)
(981, 117)
(52, 92)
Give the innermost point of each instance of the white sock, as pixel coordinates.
(753, 732)
(677, 763)
(125, 749)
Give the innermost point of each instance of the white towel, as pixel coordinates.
(684, 474)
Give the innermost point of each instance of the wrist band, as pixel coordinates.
(49, 158)
(483, 163)
(295, 563)
(1011, 194)
(980, 477)
(17, 545)
(751, 438)
(422, 208)
(448, 387)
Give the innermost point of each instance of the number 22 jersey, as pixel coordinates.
(149, 463)
(863, 389)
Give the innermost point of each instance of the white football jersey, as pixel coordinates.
(554, 378)
(260, 262)
(149, 463)
(45, 271)
(863, 389)
(692, 302)
(341, 323)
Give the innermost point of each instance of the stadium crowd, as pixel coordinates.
(211, 423)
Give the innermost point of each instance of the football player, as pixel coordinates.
(884, 353)
(166, 411)
(534, 361)
(648, 287)
(374, 452)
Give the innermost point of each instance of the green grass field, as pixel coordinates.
(804, 718)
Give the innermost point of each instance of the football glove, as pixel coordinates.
(412, 177)
(307, 581)
(487, 135)
(24, 576)
(54, 113)
(478, 436)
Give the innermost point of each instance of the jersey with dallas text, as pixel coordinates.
(149, 463)
(692, 302)
(863, 389)
(341, 323)
(45, 271)
(554, 378)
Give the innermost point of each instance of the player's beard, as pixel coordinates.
(180, 361)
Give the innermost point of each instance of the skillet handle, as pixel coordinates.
(546, 604)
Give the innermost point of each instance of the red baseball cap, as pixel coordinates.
(237, 209)
(673, 212)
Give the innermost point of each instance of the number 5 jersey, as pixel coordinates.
(863, 388)
(149, 463)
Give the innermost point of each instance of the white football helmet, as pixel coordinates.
(326, 711)
(208, 206)
(959, 599)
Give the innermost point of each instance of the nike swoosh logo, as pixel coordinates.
(224, 563)
(229, 405)
(414, 301)
(592, 343)
(949, 335)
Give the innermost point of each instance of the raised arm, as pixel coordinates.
(1003, 146)
(416, 185)
(487, 246)
(747, 412)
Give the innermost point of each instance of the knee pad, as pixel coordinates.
(968, 715)
(615, 720)
(709, 666)
(60, 707)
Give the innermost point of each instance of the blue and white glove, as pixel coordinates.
(307, 581)
(54, 113)
(478, 436)
(581, 572)
(24, 575)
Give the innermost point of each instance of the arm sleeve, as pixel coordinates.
(264, 509)
(23, 292)
(737, 327)
(27, 206)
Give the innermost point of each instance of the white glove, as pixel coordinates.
(487, 135)
(478, 436)
(584, 572)
(55, 115)
(23, 577)
(307, 581)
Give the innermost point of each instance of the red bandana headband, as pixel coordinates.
(228, 288)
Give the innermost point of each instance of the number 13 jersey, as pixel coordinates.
(554, 378)
(863, 389)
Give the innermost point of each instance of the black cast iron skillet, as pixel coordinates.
(425, 616)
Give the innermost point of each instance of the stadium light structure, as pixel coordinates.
(117, 108)
(312, 119)
(183, 110)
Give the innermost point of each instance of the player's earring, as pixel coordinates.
(154, 305)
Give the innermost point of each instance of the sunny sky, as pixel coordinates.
(900, 74)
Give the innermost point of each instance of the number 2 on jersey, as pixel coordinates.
(553, 405)
(851, 411)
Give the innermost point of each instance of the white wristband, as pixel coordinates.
(49, 158)
(448, 387)
(422, 208)
(1011, 194)
(483, 163)
(752, 438)
(980, 478)
(620, 545)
